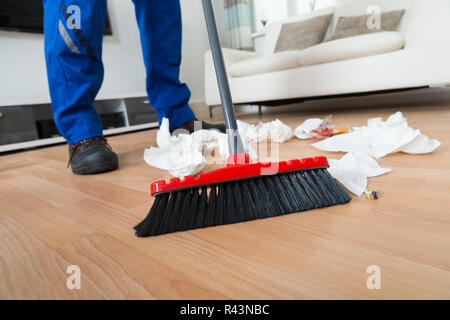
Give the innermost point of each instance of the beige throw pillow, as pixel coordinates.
(303, 34)
(357, 25)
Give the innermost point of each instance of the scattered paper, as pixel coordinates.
(421, 145)
(184, 154)
(380, 138)
(247, 131)
(164, 160)
(317, 128)
(275, 131)
(310, 128)
(181, 155)
(377, 139)
(353, 169)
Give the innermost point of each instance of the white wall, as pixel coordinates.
(195, 44)
(22, 66)
(274, 11)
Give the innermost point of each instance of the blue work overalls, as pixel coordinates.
(73, 52)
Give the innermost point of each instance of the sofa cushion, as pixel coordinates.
(331, 51)
(351, 47)
(303, 34)
(264, 64)
(358, 25)
(273, 30)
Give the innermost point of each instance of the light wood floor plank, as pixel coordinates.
(50, 219)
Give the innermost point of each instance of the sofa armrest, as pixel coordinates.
(230, 57)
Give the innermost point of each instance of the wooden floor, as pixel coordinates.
(51, 219)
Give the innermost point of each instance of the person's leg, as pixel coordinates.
(73, 49)
(160, 28)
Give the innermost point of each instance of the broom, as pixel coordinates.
(242, 191)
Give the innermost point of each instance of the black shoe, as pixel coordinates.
(91, 156)
(189, 126)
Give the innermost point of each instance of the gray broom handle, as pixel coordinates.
(235, 145)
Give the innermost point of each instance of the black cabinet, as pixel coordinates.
(17, 125)
(34, 126)
(139, 111)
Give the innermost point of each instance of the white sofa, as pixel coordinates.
(417, 55)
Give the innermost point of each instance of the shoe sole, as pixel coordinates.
(105, 167)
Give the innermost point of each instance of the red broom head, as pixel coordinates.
(238, 168)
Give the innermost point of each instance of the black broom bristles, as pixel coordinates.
(244, 200)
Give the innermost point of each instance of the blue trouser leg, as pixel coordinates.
(74, 64)
(159, 22)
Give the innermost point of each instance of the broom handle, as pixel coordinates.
(235, 145)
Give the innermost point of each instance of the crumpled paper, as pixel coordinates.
(380, 138)
(183, 155)
(274, 131)
(353, 169)
(307, 128)
(377, 139)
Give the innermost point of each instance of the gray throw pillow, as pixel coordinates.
(303, 34)
(357, 25)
